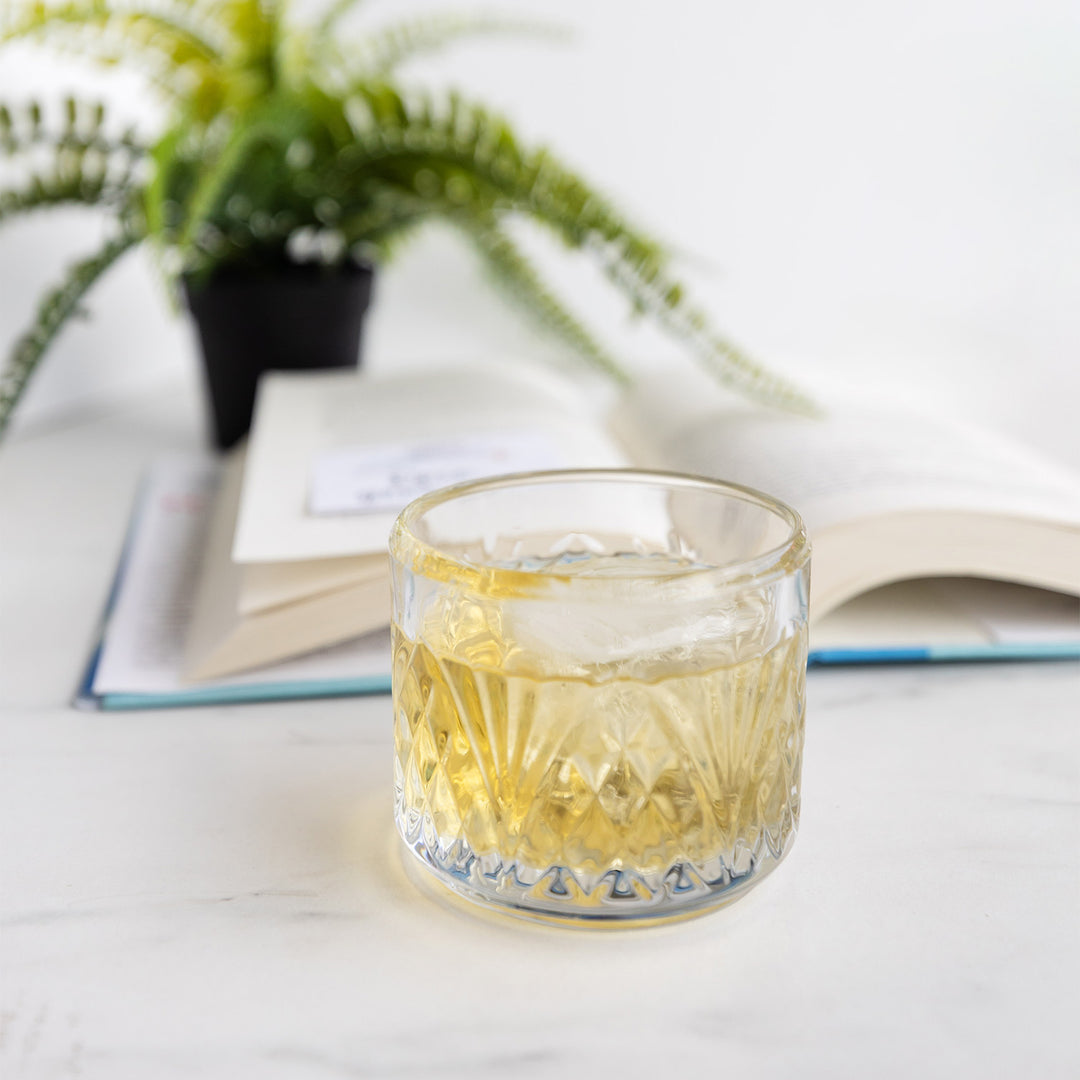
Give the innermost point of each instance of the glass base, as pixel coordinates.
(615, 899)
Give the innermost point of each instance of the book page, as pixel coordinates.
(144, 642)
(269, 585)
(854, 463)
(934, 612)
(144, 637)
(300, 499)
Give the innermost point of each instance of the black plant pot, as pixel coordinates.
(285, 318)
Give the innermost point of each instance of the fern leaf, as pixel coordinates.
(85, 165)
(181, 55)
(81, 187)
(516, 276)
(173, 32)
(54, 311)
(379, 53)
(256, 32)
(336, 11)
(658, 295)
(83, 130)
(156, 192)
(388, 212)
(505, 179)
(273, 128)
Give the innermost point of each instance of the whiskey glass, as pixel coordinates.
(599, 685)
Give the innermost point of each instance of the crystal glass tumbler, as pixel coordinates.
(598, 690)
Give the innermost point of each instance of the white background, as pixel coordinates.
(883, 195)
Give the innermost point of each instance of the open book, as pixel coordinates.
(930, 541)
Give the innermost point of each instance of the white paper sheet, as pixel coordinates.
(386, 477)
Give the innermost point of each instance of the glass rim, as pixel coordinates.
(780, 560)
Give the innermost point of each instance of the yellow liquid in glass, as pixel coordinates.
(504, 760)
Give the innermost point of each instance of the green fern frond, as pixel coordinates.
(272, 128)
(482, 149)
(380, 52)
(389, 211)
(179, 53)
(54, 311)
(491, 169)
(24, 129)
(658, 295)
(280, 161)
(334, 13)
(82, 187)
(200, 89)
(516, 276)
(173, 33)
(20, 126)
(85, 165)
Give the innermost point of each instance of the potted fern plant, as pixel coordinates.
(290, 163)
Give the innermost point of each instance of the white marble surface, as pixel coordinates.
(217, 892)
